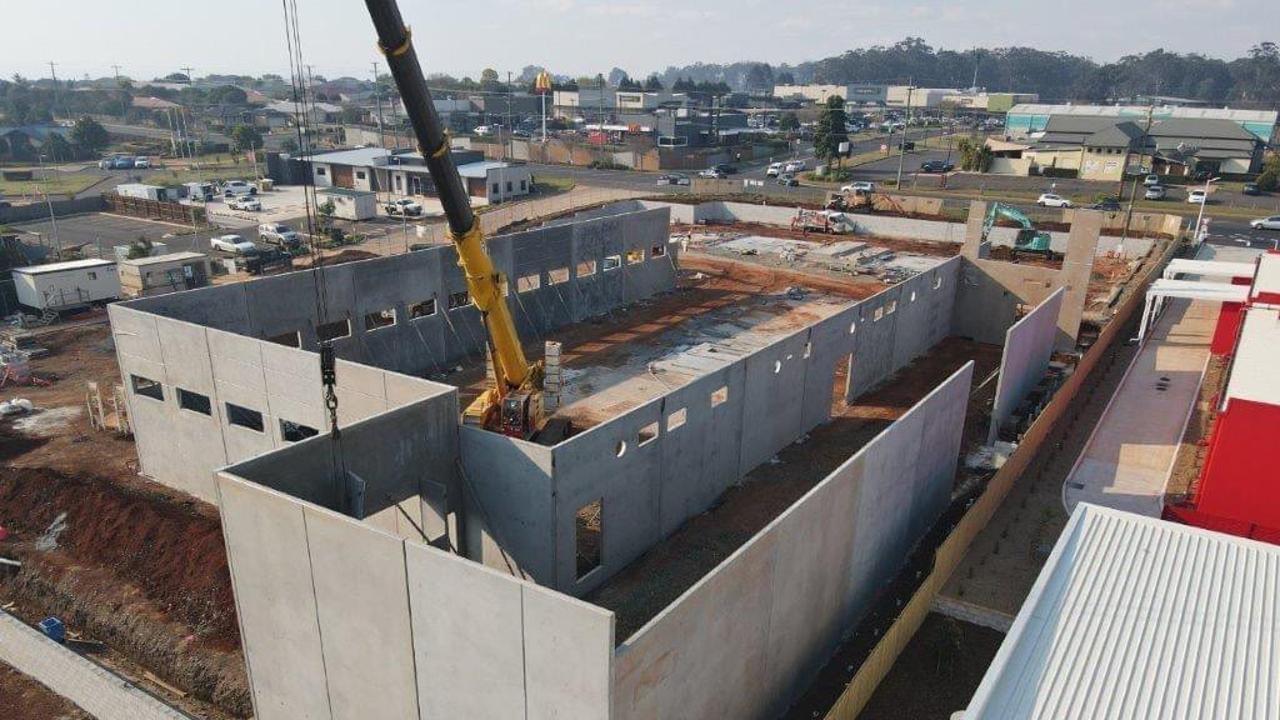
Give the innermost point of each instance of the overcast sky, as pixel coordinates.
(578, 37)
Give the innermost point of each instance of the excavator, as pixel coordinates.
(513, 405)
(1029, 240)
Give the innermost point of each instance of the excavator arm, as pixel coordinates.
(484, 283)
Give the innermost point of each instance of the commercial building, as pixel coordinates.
(991, 102)
(1135, 617)
(1028, 118)
(406, 173)
(1237, 492)
(814, 93)
(901, 96)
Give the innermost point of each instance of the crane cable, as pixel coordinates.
(303, 108)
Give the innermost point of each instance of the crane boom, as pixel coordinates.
(484, 282)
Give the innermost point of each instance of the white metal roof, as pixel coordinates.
(65, 265)
(1208, 268)
(1134, 618)
(1268, 277)
(161, 259)
(1198, 290)
(1141, 111)
(1255, 372)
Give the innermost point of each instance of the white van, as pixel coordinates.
(774, 169)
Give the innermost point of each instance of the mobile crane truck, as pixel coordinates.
(513, 405)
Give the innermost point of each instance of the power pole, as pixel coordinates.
(1133, 191)
(186, 69)
(377, 96)
(54, 74)
(116, 68)
(902, 145)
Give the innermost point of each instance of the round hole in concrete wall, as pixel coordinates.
(853, 326)
(777, 366)
(621, 449)
(913, 296)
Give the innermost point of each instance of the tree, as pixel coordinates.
(289, 146)
(653, 83)
(626, 83)
(759, 78)
(786, 78)
(974, 156)
(617, 76)
(228, 95)
(89, 135)
(789, 122)
(244, 137)
(352, 114)
(176, 77)
(488, 76)
(831, 129)
(57, 149)
(139, 248)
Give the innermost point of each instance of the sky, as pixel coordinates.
(581, 37)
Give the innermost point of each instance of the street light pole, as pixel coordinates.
(1200, 215)
(902, 144)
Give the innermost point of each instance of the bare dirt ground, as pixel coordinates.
(1191, 453)
(918, 247)
(659, 576)
(132, 564)
(937, 673)
(25, 699)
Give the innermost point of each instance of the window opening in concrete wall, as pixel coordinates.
(528, 282)
(586, 268)
(293, 432)
(589, 536)
(194, 402)
(620, 449)
(426, 308)
(380, 319)
(891, 308)
(647, 434)
(657, 251)
(720, 396)
(555, 276)
(612, 262)
(459, 300)
(808, 350)
(676, 419)
(878, 314)
(244, 417)
(635, 255)
(147, 387)
(288, 339)
(334, 330)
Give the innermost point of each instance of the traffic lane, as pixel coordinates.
(888, 166)
(619, 179)
(1239, 233)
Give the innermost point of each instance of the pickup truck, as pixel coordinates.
(235, 188)
(403, 206)
(233, 244)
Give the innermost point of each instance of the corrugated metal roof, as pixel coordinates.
(1135, 618)
(61, 266)
(1141, 111)
(162, 259)
(1253, 370)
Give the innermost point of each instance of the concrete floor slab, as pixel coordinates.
(1126, 463)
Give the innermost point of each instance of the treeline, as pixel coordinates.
(1252, 79)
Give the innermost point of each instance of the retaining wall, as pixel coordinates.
(90, 686)
(747, 638)
(40, 210)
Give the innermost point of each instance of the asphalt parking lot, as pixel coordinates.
(98, 233)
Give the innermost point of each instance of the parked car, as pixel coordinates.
(1151, 179)
(907, 145)
(1108, 205)
(1251, 189)
(727, 169)
(403, 206)
(795, 166)
(1197, 197)
(1266, 223)
(936, 166)
(673, 179)
(859, 186)
(1053, 200)
(233, 244)
(788, 180)
(774, 170)
(234, 188)
(244, 202)
(711, 173)
(141, 162)
(124, 162)
(279, 234)
(1155, 192)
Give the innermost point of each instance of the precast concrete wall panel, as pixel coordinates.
(510, 505)
(468, 637)
(266, 539)
(829, 345)
(1028, 346)
(705, 655)
(772, 416)
(568, 650)
(223, 307)
(873, 356)
(362, 602)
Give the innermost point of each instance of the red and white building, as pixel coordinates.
(1238, 491)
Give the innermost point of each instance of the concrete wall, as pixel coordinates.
(343, 621)
(746, 639)
(775, 395)
(1028, 345)
(286, 304)
(181, 447)
(90, 686)
(883, 225)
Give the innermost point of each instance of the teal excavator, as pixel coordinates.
(1030, 240)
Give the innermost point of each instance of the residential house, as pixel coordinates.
(406, 173)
